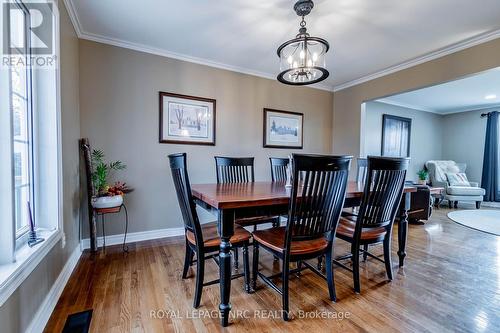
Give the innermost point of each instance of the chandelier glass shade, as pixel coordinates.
(303, 59)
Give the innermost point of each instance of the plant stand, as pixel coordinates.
(102, 212)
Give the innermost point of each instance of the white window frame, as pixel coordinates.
(22, 233)
(17, 263)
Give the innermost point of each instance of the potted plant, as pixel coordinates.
(422, 176)
(105, 196)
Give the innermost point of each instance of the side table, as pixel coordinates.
(437, 195)
(112, 210)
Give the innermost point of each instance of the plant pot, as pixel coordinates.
(107, 202)
(422, 182)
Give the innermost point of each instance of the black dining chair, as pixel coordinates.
(240, 170)
(202, 239)
(361, 172)
(374, 222)
(313, 214)
(362, 166)
(278, 168)
(230, 170)
(234, 169)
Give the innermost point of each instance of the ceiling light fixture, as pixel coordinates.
(492, 96)
(302, 59)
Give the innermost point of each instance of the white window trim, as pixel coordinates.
(26, 259)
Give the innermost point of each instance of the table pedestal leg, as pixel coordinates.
(226, 230)
(403, 227)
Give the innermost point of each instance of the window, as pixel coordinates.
(22, 125)
(30, 144)
(396, 133)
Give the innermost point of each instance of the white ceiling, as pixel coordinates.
(456, 96)
(366, 36)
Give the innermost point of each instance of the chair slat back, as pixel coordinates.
(317, 200)
(383, 191)
(178, 166)
(278, 168)
(234, 169)
(362, 166)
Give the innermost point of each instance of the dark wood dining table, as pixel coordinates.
(232, 201)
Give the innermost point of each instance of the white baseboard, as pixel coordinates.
(49, 303)
(491, 204)
(134, 237)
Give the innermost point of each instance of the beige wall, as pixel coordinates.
(18, 311)
(347, 102)
(426, 134)
(119, 114)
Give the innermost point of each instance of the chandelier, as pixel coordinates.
(302, 59)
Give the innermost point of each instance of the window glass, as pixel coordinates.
(20, 101)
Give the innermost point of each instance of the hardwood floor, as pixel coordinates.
(450, 283)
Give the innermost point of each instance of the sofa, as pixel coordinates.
(440, 173)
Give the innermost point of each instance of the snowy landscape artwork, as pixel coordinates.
(186, 119)
(282, 129)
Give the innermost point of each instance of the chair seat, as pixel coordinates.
(211, 237)
(348, 224)
(274, 238)
(248, 221)
(465, 190)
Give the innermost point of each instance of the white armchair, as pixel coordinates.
(454, 194)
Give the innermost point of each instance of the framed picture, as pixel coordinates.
(283, 129)
(187, 119)
(396, 133)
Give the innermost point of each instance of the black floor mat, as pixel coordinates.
(78, 322)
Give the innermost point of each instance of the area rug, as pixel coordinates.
(482, 220)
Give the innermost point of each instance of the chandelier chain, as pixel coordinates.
(303, 22)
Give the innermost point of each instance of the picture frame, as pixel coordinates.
(187, 119)
(283, 129)
(396, 136)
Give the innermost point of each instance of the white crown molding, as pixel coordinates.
(480, 39)
(483, 38)
(471, 108)
(404, 105)
(73, 17)
(164, 53)
(43, 313)
(441, 113)
(183, 57)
